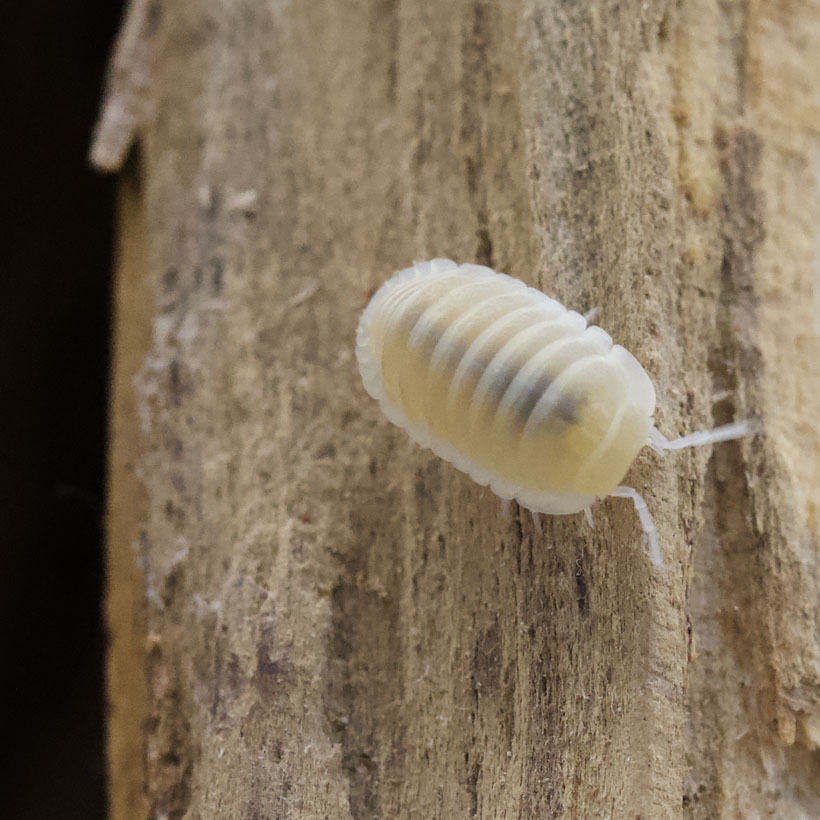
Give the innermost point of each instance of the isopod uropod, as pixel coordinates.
(512, 388)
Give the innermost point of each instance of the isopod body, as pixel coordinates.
(509, 386)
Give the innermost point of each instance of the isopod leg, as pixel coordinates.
(645, 518)
(588, 516)
(536, 521)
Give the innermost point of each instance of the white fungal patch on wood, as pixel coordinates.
(511, 387)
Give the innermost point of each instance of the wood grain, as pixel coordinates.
(311, 617)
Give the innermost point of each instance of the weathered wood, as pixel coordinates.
(311, 617)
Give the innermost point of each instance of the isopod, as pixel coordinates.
(512, 388)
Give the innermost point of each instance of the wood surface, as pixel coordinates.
(309, 616)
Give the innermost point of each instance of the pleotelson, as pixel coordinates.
(505, 383)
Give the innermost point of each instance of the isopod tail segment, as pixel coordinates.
(660, 444)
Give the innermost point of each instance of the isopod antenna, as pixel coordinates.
(660, 444)
(726, 432)
(645, 517)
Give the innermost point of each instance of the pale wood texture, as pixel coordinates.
(311, 617)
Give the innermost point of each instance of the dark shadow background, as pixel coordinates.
(54, 349)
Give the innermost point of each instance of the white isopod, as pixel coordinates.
(512, 388)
